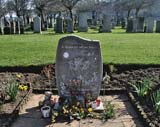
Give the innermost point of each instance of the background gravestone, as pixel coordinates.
(1, 25)
(82, 22)
(138, 24)
(37, 25)
(17, 27)
(69, 25)
(59, 24)
(106, 25)
(78, 67)
(149, 24)
(13, 27)
(158, 27)
(129, 26)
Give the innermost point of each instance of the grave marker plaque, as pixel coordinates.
(78, 67)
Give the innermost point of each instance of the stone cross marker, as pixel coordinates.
(78, 67)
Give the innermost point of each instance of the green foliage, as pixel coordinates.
(142, 88)
(109, 112)
(12, 90)
(156, 100)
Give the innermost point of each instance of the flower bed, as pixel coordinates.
(12, 100)
(143, 90)
(44, 79)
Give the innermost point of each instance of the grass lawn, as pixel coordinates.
(118, 47)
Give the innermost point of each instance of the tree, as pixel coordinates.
(18, 6)
(136, 5)
(88, 5)
(2, 8)
(69, 5)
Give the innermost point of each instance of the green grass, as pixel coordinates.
(117, 47)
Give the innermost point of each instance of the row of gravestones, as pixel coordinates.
(62, 26)
(139, 25)
(11, 27)
(59, 26)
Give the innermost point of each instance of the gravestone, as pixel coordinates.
(129, 26)
(17, 27)
(59, 24)
(82, 22)
(69, 25)
(21, 29)
(78, 67)
(138, 25)
(37, 24)
(158, 27)
(123, 23)
(13, 27)
(51, 22)
(106, 25)
(1, 25)
(149, 25)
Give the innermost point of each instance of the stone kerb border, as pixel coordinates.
(14, 115)
(140, 111)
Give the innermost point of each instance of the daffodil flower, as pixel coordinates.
(90, 109)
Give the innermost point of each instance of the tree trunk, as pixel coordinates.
(24, 20)
(42, 20)
(137, 11)
(17, 13)
(71, 14)
(128, 14)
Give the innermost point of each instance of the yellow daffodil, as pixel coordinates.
(90, 109)
(145, 93)
(55, 114)
(20, 87)
(19, 76)
(25, 88)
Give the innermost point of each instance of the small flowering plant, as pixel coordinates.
(23, 87)
(142, 87)
(74, 109)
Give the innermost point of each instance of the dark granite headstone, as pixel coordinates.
(59, 25)
(17, 27)
(69, 25)
(129, 26)
(158, 27)
(78, 67)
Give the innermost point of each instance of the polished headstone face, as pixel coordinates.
(78, 67)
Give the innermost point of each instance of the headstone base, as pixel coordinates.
(82, 29)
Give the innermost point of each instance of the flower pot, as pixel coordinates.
(46, 111)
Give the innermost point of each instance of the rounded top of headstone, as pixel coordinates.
(78, 38)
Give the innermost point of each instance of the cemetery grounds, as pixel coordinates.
(130, 60)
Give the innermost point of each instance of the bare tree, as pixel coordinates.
(69, 5)
(87, 5)
(18, 6)
(2, 8)
(40, 7)
(136, 5)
